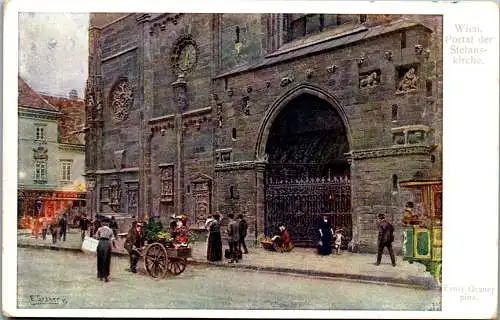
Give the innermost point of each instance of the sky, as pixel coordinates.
(53, 51)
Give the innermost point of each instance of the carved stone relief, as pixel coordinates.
(286, 81)
(167, 183)
(132, 198)
(121, 99)
(369, 80)
(408, 82)
(201, 197)
(219, 114)
(223, 155)
(119, 159)
(115, 195)
(246, 106)
(407, 135)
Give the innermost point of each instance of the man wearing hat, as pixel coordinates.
(385, 239)
(134, 241)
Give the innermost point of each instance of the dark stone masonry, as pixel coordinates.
(280, 117)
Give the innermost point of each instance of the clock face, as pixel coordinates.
(187, 57)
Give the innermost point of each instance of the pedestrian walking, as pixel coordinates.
(233, 233)
(133, 243)
(385, 239)
(53, 226)
(214, 247)
(44, 224)
(106, 241)
(243, 227)
(63, 224)
(326, 237)
(84, 225)
(113, 225)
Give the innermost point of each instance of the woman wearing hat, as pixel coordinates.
(214, 248)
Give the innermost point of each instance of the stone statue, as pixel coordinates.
(369, 81)
(409, 81)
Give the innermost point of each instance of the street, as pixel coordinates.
(61, 279)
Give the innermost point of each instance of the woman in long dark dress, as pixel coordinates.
(214, 248)
(326, 237)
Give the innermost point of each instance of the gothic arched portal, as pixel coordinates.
(307, 174)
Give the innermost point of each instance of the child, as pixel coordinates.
(338, 240)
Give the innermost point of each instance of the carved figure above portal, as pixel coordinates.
(223, 155)
(369, 80)
(331, 69)
(246, 106)
(121, 99)
(286, 81)
(408, 82)
(388, 55)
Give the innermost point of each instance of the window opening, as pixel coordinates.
(394, 112)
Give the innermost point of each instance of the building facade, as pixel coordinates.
(281, 117)
(51, 153)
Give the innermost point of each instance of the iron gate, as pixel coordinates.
(297, 196)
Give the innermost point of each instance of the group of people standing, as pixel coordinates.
(236, 232)
(329, 239)
(57, 227)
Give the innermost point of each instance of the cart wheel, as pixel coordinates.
(176, 265)
(156, 260)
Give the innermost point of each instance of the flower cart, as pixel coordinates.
(422, 236)
(166, 252)
(161, 256)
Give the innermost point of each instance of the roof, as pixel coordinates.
(72, 120)
(29, 98)
(324, 43)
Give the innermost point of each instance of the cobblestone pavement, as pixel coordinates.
(299, 259)
(68, 280)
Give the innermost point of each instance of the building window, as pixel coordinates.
(233, 134)
(428, 86)
(41, 171)
(394, 182)
(231, 192)
(403, 40)
(237, 35)
(300, 25)
(66, 170)
(39, 133)
(394, 112)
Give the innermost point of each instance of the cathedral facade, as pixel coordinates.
(283, 118)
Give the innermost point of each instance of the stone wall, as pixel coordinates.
(242, 77)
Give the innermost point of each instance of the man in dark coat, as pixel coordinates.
(385, 239)
(63, 224)
(135, 240)
(233, 233)
(243, 227)
(84, 225)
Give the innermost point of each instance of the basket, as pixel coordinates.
(266, 244)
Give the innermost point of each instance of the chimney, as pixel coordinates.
(73, 94)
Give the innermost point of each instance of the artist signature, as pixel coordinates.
(36, 299)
